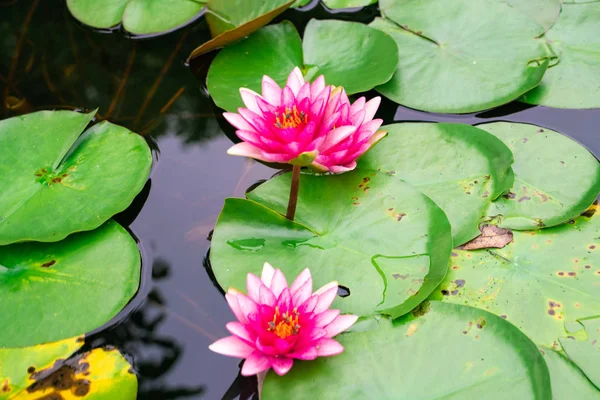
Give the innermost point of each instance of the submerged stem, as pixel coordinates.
(291, 210)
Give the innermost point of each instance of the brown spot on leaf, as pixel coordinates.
(560, 273)
(524, 198)
(421, 309)
(509, 195)
(400, 216)
(551, 312)
(364, 182)
(481, 323)
(454, 254)
(5, 386)
(399, 276)
(62, 376)
(571, 273)
(459, 283)
(592, 247)
(31, 370)
(491, 236)
(503, 316)
(49, 264)
(587, 267)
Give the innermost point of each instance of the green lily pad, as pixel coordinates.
(232, 20)
(41, 371)
(462, 169)
(377, 236)
(335, 4)
(449, 352)
(586, 354)
(51, 291)
(574, 81)
(568, 382)
(490, 60)
(54, 182)
(544, 12)
(556, 178)
(140, 17)
(539, 282)
(348, 54)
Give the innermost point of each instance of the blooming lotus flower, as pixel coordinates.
(356, 132)
(277, 324)
(283, 125)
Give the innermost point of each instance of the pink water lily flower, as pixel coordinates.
(283, 125)
(277, 324)
(356, 132)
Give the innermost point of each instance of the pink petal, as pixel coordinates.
(253, 285)
(340, 324)
(246, 150)
(335, 136)
(371, 108)
(271, 91)
(341, 169)
(325, 298)
(300, 280)
(238, 329)
(357, 118)
(303, 293)
(247, 305)
(281, 365)
(287, 98)
(358, 105)
(232, 346)
(265, 107)
(307, 353)
(238, 121)
(295, 80)
(372, 125)
(278, 283)
(250, 137)
(304, 93)
(256, 121)
(377, 137)
(249, 98)
(317, 86)
(326, 317)
(267, 274)
(329, 347)
(231, 297)
(284, 301)
(266, 296)
(257, 362)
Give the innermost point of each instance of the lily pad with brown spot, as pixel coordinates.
(438, 354)
(45, 371)
(586, 353)
(539, 282)
(347, 229)
(491, 237)
(556, 178)
(52, 291)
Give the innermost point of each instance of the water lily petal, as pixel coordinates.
(247, 305)
(253, 284)
(238, 329)
(326, 317)
(266, 296)
(300, 280)
(307, 353)
(377, 136)
(231, 297)
(309, 305)
(358, 105)
(246, 150)
(371, 108)
(336, 169)
(326, 297)
(278, 283)
(329, 347)
(249, 137)
(295, 80)
(357, 118)
(284, 301)
(232, 346)
(340, 324)
(255, 363)
(249, 97)
(317, 86)
(267, 274)
(335, 136)
(271, 91)
(238, 121)
(281, 365)
(303, 94)
(288, 99)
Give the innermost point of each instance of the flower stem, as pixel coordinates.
(291, 210)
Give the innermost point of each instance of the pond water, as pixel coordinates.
(49, 61)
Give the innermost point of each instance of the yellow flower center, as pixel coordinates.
(284, 325)
(290, 118)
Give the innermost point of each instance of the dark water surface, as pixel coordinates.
(49, 61)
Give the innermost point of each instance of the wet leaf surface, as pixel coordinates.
(491, 60)
(568, 382)
(51, 291)
(444, 351)
(45, 371)
(346, 53)
(586, 353)
(544, 12)
(574, 81)
(539, 282)
(54, 182)
(385, 242)
(556, 178)
(463, 169)
(491, 237)
(140, 17)
(335, 4)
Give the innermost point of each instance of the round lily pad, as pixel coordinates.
(348, 54)
(568, 382)
(461, 168)
(381, 239)
(586, 353)
(140, 17)
(574, 81)
(539, 282)
(444, 352)
(335, 4)
(556, 178)
(461, 56)
(544, 12)
(54, 182)
(51, 291)
(41, 372)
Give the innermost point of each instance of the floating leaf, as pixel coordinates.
(232, 20)
(41, 372)
(335, 4)
(378, 237)
(574, 81)
(568, 382)
(461, 56)
(544, 12)
(50, 291)
(586, 354)
(556, 178)
(347, 53)
(491, 237)
(538, 282)
(140, 17)
(445, 352)
(54, 182)
(461, 168)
